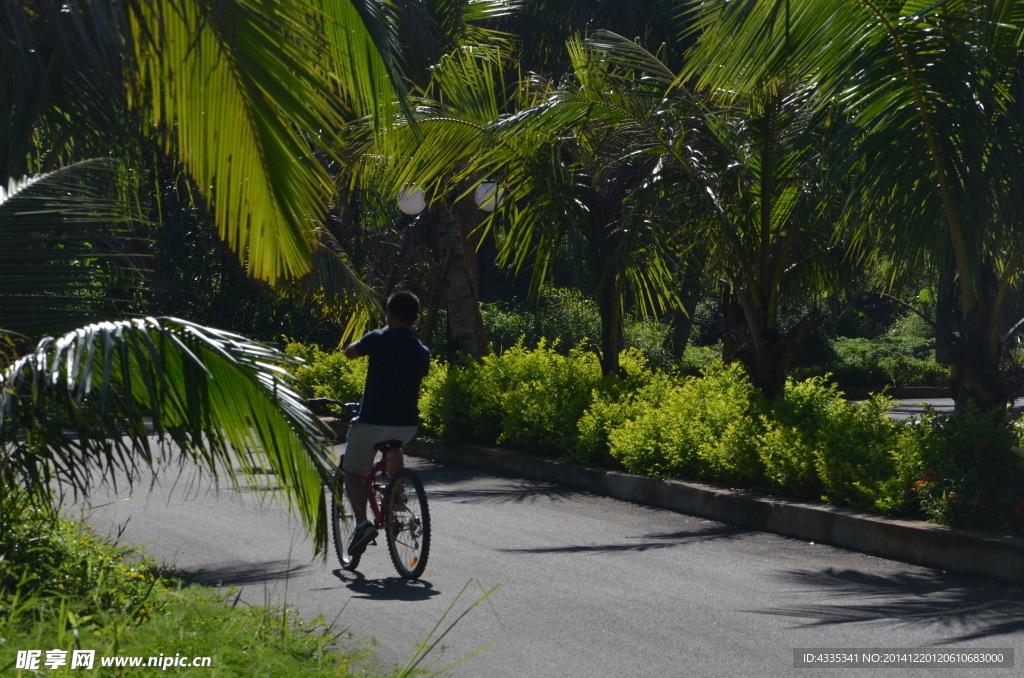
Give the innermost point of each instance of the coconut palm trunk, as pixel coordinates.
(455, 286)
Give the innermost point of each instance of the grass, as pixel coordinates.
(61, 588)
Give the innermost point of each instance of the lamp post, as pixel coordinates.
(456, 279)
(488, 196)
(411, 201)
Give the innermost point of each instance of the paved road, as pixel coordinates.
(909, 407)
(588, 585)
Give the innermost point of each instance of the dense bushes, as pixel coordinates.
(327, 374)
(810, 443)
(530, 399)
(563, 319)
(883, 361)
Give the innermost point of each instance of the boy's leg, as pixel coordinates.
(358, 463)
(396, 461)
(396, 458)
(356, 492)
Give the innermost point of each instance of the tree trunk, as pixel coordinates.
(767, 355)
(682, 318)
(609, 305)
(457, 289)
(946, 310)
(976, 368)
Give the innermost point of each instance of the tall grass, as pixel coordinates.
(62, 588)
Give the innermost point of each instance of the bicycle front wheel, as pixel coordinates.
(408, 524)
(342, 521)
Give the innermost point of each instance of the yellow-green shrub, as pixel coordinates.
(616, 400)
(701, 428)
(327, 374)
(529, 399)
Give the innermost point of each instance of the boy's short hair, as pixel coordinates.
(404, 305)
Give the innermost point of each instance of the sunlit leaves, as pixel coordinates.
(111, 399)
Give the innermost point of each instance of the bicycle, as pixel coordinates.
(398, 507)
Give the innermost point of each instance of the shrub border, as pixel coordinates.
(946, 548)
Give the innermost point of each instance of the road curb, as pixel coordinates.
(951, 549)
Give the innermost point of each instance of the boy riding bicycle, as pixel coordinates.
(389, 409)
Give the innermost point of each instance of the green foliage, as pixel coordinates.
(63, 588)
(564, 318)
(616, 400)
(508, 325)
(530, 399)
(889, 360)
(811, 443)
(698, 359)
(840, 452)
(650, 337)
(45, 557)
(912, 325)
(699, 428)
(970, 472)
(327, 374)
(117, 396)
(707, 323)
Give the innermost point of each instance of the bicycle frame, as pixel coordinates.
(371, 493)
(379, 468)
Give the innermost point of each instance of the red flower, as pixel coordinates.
(987, 444)
(952, 498)
(928, 474)
(911, 491)
(919, 483)
(1019, 511)
(978, 497)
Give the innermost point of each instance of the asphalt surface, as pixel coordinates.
(909, 407)
(587, 585)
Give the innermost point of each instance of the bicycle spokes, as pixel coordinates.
(408, 530)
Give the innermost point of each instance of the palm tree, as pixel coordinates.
(434, 151)
(237, 93)
(771, 240)
(739, 183)
(934, 162)
(584, 167)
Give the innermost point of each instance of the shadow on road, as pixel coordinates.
(971, 608)
(647, 542)
(233, 575)
(518, 493)
(518, 490)
(388, 588)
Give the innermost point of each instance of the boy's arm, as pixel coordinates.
(351, 352)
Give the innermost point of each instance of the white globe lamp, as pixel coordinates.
(488, 196)
(411, 201)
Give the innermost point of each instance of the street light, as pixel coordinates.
(488, 196)
(411, 201)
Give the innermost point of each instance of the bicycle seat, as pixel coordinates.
(386, 445)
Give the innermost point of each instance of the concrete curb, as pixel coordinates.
(951, 549)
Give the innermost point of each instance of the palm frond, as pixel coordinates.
(337, 287)
(63, 237)
(236, 86)
(82, 406)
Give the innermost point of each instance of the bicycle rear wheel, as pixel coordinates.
(342, 521)
(408, 524)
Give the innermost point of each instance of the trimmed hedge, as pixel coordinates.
(809, 444)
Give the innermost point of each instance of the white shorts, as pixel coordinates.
(359, 452)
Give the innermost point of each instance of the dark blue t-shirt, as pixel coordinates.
(398, 363)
